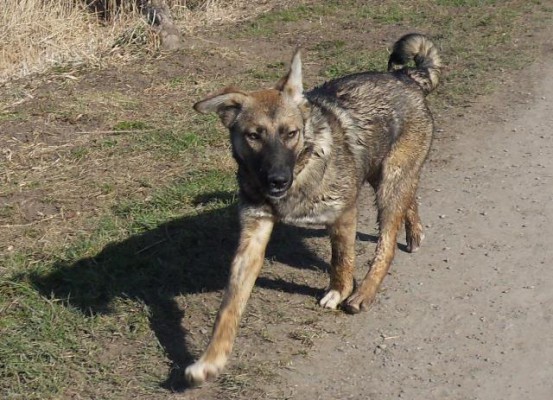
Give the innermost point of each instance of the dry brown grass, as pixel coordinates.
(199, 14)
(36, 35)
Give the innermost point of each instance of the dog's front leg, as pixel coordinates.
(342, 236)
(247, 263)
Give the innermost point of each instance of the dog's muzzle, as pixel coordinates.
(278, 184)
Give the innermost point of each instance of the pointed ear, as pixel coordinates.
(292, 83)
(227, 103)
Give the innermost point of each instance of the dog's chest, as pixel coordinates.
(298, 211)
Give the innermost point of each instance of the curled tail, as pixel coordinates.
(428, 64)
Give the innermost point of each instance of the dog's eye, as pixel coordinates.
(252, 136)
(292, 134)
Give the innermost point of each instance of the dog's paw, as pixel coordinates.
(414, 242)
(200, 371)
(358, 302)
(331, 299)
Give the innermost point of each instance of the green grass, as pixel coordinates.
(356, 62)
(200, 132)
(7, 210)
(190, 192)
(50, 350)
(88, 318)
(387, 13)
(271, 72)
(59, 313)
(270, 23)
(130, 126)
(469, 3)
(13, 116)
(79, 153)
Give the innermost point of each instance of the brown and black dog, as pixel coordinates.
(303, 158)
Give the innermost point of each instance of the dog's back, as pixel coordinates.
(374, 108)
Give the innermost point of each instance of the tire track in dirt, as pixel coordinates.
(470, 315)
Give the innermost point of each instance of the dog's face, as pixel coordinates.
(266, 127)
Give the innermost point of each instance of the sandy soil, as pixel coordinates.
(470, 315)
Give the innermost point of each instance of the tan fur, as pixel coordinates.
(303, 158)
(342, 237)
(244, 271)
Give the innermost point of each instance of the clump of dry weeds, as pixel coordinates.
(201, 13)
(36, 35)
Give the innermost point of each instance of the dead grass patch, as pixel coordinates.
(37, 35)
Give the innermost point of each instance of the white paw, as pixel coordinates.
(331, 299)
(200, 371)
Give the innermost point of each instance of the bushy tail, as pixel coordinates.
(428, 64)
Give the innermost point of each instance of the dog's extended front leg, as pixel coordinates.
(247, 263)
(342, 236)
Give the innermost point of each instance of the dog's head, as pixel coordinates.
(266, 127)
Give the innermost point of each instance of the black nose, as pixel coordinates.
(278, 181)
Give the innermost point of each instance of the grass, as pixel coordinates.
(354, 62)
(61, 315)
(67, 34)
(130, 126)
(118, 204)
(469, 3)
(54, 336)
(268, 73)
(172, 201)
(174, 141)
(269, 23)
(388, 13)
(13, 117)
(71, 36)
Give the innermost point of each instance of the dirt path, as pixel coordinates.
(470, 315)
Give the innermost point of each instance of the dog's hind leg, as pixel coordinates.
(364, 295)
(414, 234)
(342, 237)
(394, 196)
(247, 263)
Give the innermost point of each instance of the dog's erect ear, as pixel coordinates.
(227, 103)
(292, 83)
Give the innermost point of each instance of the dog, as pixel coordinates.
(302, 159)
